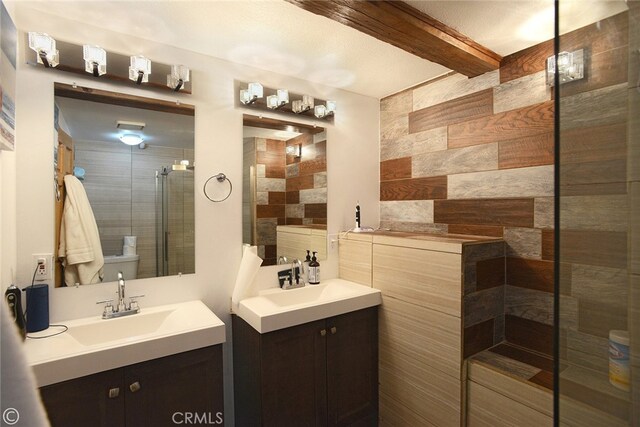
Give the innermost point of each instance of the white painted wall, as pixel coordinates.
(353, 169)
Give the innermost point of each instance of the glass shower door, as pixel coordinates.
(598, 194)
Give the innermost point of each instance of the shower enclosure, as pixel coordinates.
(597, 237)
(174, 211)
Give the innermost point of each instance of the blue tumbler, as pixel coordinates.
(37, 307)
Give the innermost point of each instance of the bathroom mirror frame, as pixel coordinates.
(104, 97)
(286, 213)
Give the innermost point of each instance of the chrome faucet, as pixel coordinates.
(295, 280)
(121, 306)
(122, 309)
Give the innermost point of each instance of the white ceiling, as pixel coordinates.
(280, 37)
(508, 26)
(92, 121)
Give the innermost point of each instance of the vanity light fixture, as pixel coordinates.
(139, 69)
(45, 46)
(280, 99)
(570, 67)
(178, 77)
(302, 105)
(322, 111)
(253, 92)
(95, 60)
(131, 139)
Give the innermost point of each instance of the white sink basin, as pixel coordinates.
(94, 344)
(276, 309)
(96, 333)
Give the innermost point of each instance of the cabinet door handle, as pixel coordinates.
(323, 332)
(114, 392)
(333, 330)
(134, 387)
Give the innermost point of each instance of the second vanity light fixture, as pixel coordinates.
(284, 101)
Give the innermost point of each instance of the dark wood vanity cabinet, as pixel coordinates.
(85, 401)
(160, 392)
(322, 373)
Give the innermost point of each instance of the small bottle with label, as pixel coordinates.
(314, 270)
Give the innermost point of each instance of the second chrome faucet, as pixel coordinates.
(294, 278)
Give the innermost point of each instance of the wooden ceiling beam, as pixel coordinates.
(407, 28)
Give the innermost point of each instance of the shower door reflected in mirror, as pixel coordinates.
(284, 202)
(174, 218)
(143, 190)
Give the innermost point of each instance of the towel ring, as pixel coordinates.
(221, 178)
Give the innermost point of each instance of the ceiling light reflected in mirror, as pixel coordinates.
(131, 139)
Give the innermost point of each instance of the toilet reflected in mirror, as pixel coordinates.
(127, 264)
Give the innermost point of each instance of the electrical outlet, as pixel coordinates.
(42, 264)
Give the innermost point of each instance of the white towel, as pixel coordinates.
(244, 286)
(79, 238)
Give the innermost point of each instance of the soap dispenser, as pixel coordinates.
(314, 271)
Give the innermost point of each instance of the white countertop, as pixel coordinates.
(94, 344)
(275, 309)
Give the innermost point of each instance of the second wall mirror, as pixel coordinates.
(284, 202)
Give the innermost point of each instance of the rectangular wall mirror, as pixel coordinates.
(140, 191)
(284, 203)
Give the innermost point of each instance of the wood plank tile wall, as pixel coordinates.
(290, 190)
(475, 156)
(270, 194)
(306, 180)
